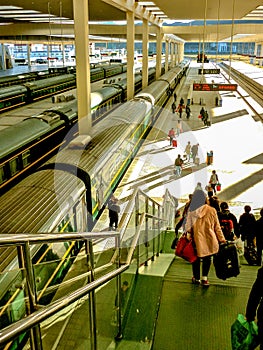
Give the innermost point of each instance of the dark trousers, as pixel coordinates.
(206, 263)
(114, 222)
(213, 187)
(259, 253)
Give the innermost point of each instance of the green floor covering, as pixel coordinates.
(192, 317)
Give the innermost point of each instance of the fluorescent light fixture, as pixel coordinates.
(149, 8)
(10, 8)
(146, 3)
(5, 23)
(19, 12)
(28, 16)
(157, 12)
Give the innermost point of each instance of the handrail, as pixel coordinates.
(12, 331)
(21, 238)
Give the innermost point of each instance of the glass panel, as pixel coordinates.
(13, 307)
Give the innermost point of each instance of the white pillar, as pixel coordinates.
(48, 55)
(174, 54)
(81, 18)
(159, 37)
(28, 55)
(166, 55)
(3, 56)
(181, 52)
(145, 49)
(130, 54)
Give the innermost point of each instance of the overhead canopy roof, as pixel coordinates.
(54, 18)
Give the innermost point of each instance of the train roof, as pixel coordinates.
(103, 94)
(170, 76)
(48, 81)
(51, 198)
(20, 134)
(155, 90)
(106, 137)
(12, 91)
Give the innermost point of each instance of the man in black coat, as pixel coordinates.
(255, 305)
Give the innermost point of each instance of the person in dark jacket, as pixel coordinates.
(259, 237)
(247, 225)
(225, 214)
(114, 210)
(213, 201)
(255, 305)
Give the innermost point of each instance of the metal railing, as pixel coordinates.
(142, 224)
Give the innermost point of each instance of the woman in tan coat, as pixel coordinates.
(202, 222)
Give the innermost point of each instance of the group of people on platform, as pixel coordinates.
(181, 107)
(203, 219)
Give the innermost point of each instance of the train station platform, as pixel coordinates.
(166, 311)
(169, 312)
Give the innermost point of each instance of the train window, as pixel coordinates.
(26, 158)
(14, 166)
(3, 177)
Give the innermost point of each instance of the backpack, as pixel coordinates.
(178, 161)
(227, 227)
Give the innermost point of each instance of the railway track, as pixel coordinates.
(252, 88)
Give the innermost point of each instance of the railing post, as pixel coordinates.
(146, 236)
(160, 216)
(35, 333)
(118, 281)
(153, 230)
(92, 301)
(137, 226)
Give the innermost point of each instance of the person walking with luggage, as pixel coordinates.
(187, 151)
(259, 237)
(180, 110)
(173, 107)
(194, 151)
(213, 181)
(187, 111)
(203, 224)
(114, 210)
(228, 222)
(179, 128)
(247, 226)
(255, 305)
(171, 135)
(178, 165)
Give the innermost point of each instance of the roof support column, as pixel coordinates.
(260, 53)
(180, 52)
(159, 37)
(3, 56)
(28, 55)
(145, 49)
(130, 54)
(173, 53)
(80, 8)
(167, 45)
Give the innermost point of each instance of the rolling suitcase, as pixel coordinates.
(197, 161)
(250, 254)
(226, 261)
(174, 143)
